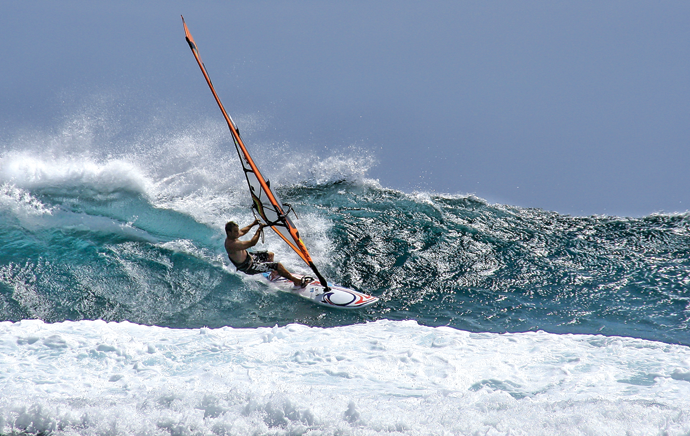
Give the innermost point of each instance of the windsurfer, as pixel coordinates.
(256, 262)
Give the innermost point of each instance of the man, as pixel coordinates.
(257, 262)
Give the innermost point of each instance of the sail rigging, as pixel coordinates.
(265, 202)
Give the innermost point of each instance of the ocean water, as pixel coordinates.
(120, 313)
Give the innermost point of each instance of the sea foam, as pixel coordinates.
(93, 377)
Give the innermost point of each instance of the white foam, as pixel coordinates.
(21, 203)
(93, 377)
(28, 171)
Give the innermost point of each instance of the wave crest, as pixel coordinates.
(29, 171)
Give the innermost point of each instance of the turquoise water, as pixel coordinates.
(110, 239)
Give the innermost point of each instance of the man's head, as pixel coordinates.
(232, 229)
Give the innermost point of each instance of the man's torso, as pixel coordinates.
(236, 256)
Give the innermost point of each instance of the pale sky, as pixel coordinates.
(577, 107)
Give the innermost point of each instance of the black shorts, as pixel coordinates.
(259, 264)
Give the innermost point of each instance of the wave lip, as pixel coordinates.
(28, 171)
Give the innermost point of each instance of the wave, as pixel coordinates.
(135, 232)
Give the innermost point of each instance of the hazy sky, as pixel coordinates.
(579, 107)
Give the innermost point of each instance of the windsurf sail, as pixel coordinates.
(266, 203)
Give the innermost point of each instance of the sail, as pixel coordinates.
(266, 202)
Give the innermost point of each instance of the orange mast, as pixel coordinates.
(294, 241)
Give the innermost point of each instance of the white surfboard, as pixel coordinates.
(336, 297)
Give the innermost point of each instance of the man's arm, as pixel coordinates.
(243, 245)
(244, 230)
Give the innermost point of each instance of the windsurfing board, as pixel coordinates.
(336, 297)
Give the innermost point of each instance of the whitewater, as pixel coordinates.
(386, 377)
(120, 313)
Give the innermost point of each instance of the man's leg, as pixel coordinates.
(280, 269)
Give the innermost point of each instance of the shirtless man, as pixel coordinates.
(257, 262)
